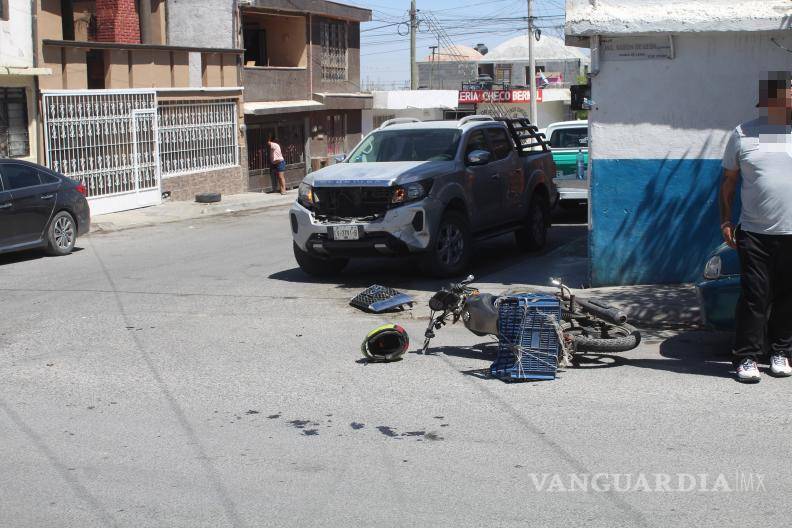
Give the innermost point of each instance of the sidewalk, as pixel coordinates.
(178, 211)
(648, 306)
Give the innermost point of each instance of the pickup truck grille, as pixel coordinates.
(353, 201)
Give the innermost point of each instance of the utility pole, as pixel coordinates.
(413, 31)
(431, 70)
(532, 62)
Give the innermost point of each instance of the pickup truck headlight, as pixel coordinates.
(712, 270)
(410, 192)
(306, 196)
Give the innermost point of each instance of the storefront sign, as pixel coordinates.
(636, 48)
(497, 96)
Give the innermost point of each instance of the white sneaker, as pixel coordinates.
(747, 370)
(779, 365)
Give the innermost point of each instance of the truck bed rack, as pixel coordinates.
(525, 135)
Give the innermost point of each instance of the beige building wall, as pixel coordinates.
(27, 82)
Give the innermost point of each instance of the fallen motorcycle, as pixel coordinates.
(586, 326)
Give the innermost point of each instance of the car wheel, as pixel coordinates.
(61, 234)
(533, 236)
(318, 267)
(451, 248)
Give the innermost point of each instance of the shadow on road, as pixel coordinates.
(491, 257)
(28, 254)
(696, 352)
(656, 306)
(699, 352)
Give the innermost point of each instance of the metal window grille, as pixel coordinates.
(292, 143)
(334, 51)
(107, 140)
(14, 141)
(196, 136)
(336, 134)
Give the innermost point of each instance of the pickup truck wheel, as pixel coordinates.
(318, 267)
(533, 236)
(451, 248)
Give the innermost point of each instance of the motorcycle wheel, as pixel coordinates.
(619, 338)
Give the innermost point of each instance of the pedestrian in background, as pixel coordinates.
(277, 163)
(758, 156)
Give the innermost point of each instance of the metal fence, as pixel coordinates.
(119, 142)
(197, 136)
(107, 140)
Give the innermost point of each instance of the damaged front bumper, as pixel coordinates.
(402, 230)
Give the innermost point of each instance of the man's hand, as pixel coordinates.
(729, 234)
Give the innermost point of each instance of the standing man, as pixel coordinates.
(759, 153)
(277, 163)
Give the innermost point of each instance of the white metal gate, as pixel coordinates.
(109, 141)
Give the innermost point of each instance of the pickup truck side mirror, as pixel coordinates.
(340, 158)
(479, 157)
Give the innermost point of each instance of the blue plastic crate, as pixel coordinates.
(525, 324)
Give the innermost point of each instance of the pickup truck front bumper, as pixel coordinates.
(403, 230)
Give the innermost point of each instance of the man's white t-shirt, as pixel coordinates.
(763, 155)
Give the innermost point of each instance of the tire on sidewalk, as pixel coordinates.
(207, 197)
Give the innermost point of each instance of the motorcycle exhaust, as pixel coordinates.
(612, 315)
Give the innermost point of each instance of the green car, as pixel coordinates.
(719, 292)
(569, 143)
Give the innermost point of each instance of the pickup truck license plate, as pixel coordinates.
(348, 232)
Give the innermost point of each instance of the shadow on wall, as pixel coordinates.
(654, 221)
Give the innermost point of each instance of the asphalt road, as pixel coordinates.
(189, 375)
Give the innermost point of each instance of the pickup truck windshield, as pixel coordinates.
(408, 145)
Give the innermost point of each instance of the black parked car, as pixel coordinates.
(40, 208)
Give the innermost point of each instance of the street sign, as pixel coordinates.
(497, 96)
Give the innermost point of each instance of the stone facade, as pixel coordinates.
(232, 180)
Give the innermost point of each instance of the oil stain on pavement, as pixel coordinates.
(310, 428)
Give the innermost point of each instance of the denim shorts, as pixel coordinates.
(281, 166)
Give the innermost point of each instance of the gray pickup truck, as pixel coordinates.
(427, 188)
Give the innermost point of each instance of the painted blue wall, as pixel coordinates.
(654, 221)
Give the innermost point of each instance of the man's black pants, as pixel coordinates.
(764, 313)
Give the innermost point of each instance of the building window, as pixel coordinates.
(3, 9)
(335, 130)
(503, 74)
(291, 140)
(255, 46)
(274, 41)
(14, 141)
(197, 136)
(334, 51)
